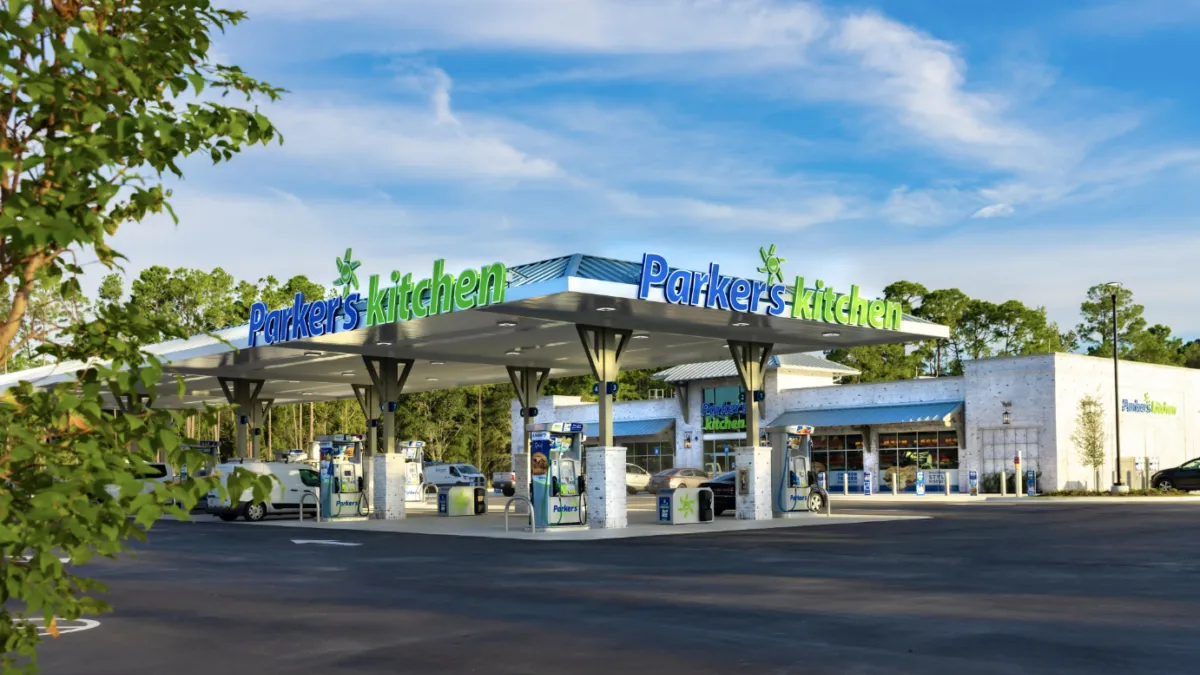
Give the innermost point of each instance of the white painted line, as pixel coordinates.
(324, 542)
(65, 627)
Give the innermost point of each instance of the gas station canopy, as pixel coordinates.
(675, 316)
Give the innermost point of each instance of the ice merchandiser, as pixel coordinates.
(414, 469)
(794, 487)
(341, 476)
(555, 466)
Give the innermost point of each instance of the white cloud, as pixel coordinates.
(363, 138)
(994, 211)
(587, 26)
(939, 206)
(797, 215)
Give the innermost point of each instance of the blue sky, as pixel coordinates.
(1014, 150)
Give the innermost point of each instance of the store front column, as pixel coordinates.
(604, 465)
(528, 383)
(753, 489)
(244, 395)
(368, 402)
(387, 476)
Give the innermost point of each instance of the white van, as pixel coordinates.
(443, 475)
(294, 482)
(156, 472)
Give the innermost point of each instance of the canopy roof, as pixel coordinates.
(543, 301)
(940, 412)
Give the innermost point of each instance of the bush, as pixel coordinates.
(1131, 493)
(990, 483)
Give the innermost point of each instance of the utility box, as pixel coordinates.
(684, 506)
(462, 500)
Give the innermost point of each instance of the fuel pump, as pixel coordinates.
(792, 482)
(556, 454)
(414, 469)
(341, 476)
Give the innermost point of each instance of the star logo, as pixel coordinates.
(686, 506)
(347, 276)
(771, 263)
(462, 501)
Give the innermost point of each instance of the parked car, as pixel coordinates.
(443, 475)
(637, 479)
(723, 496)
(505, 482)
(1186, 476)
(676, 478)
(287, 493)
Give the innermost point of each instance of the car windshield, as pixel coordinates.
(669, 472)
(634, 468)
(726, 477)
(467, 468)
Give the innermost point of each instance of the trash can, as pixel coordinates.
(683, 506)
(462, 500)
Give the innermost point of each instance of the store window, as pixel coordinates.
(719, 455)
(653, 456)
(913, 451)
(837, 452)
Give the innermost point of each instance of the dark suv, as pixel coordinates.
(1186, 476)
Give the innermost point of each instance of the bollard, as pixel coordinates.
(895, 483)
(946, 482)
(845, 482)
(1003, 482)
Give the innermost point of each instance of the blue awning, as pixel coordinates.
(631, 427)
(913, 413)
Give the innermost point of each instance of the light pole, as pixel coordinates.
(1115, 286)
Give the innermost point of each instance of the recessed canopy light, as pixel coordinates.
(431, 379)
(347, 372)
(437, 363)
(313, 354)
(831, 333)
(506, 324)
(293, 381)
(512, 352)
(555, 344)
(741, 324)
(563, 358)
(606, 309)
(307, 393)
(383, 343)
(641, 337)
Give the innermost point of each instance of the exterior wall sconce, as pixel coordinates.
(1006, 418)
(687, 440)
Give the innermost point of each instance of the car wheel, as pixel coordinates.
(630, 490)
(1165, 484)
(256, 511)
(717, 512)
(815, 502)
(508, 491)
(228, 517)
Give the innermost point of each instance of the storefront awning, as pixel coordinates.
(631, 427)
(912, 413)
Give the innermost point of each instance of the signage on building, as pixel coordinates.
(722, 411)
(714, 290)
(402, 300)
(1147, 406)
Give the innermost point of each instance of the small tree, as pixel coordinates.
(1089, 434)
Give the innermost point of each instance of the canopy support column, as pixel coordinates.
(388, 377)
(751, 359)
(368, 401)
(250, 409)
(603, 347)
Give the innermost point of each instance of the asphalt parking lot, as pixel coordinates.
(1045, 588)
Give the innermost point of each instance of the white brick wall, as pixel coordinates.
(388, 490)
(605, 471)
